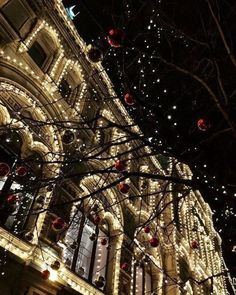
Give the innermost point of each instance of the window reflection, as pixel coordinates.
(143, 279)
(84, 253)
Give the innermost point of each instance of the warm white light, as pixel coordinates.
(53, 275)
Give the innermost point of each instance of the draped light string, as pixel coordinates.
(64, 274)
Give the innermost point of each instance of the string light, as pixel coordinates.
(24, 250)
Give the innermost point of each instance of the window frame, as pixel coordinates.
(39, 48)
(66, 96)
(7, 190)
(23, 30)
(48, 52)
(9, 20)
(34, 290)
(144, 271)
(75, 254)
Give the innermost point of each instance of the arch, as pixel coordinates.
(41, 26)
(43, 46)
(88, 183)
(73, 74)
(28, 143)
(116, 222)
(51, 35)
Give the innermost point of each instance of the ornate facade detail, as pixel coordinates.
(45, 92)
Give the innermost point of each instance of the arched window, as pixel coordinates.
(16, 197)
(142, 279)
(86, 251)
(38, 54)
(44, 50)
(65, 89)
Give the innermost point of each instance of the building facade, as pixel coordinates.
(70, 222)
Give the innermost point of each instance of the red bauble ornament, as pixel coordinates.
(147, 229)
(103, 242)
(45, 274)
(11, 199)
(97, 219)
(195, 245)
(58, 224)
(203, 124)
(123, 188)
(115, 37)
(120, 165)
(21, 171)
(95, 54)
(4, 169)
(154, 242)
(125, 266)
(129, 99)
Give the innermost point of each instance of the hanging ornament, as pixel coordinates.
(123, 188)
(58, 224)
(11, 199)
(103, 241)
(147, 229)
(74, 245)
(129, 99)
(68, 137)
(93, 237)
(195, 245)
(138, 263)
(21, 171)
(94, 54)
(29, 236)
(55, 265)
(154, 242)
(125, 266)
(97, 219)
(115, 37)
(100, 282)
(45, 274)
(120, 165)
(4, 169)
(81, 271)
(203, 124)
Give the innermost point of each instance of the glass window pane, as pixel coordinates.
(100, 257)
(16, 220)
(10, 220)
(65, 89)
(85, 249)
(139, 281)
(70, 238)
(148, 283)
(2, 181)
(37, 53)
